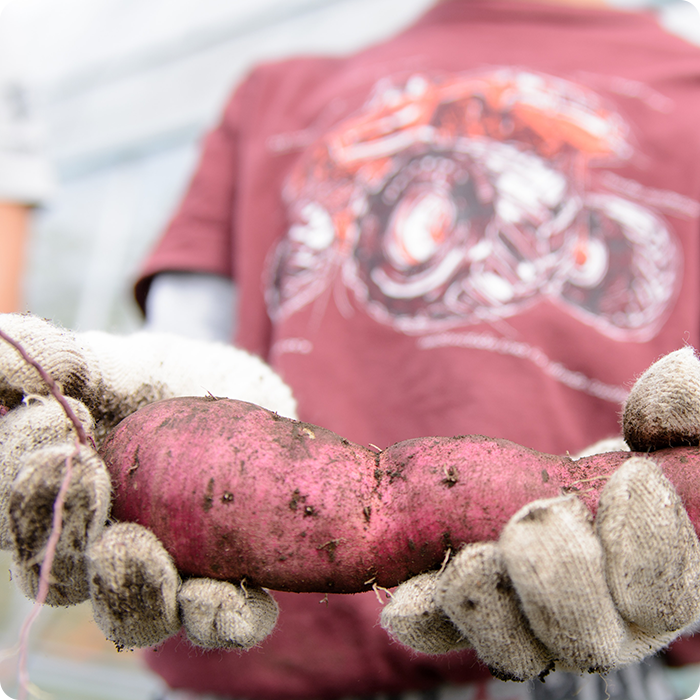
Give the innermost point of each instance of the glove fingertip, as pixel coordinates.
(414, 619)
(477, 594)
(663, 408)
(652, 551)
(223, 615)
(133, 587)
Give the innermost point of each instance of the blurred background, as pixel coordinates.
(122, 91)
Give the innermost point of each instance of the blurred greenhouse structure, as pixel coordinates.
(125, 89)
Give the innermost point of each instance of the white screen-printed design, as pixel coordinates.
(449, 201)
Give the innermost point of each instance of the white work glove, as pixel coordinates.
(107, 377)
(115, 375)
(558, 590)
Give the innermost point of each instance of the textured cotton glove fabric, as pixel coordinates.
(558, 589)
(115, 375)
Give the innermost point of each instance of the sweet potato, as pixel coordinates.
(237, 492)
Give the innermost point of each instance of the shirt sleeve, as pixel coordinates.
(199, 235)
(26, 175)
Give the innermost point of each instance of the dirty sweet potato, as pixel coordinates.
(237, 492)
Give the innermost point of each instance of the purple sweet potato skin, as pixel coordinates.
(237, 492)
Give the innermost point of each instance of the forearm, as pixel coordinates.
(14, 225)
(195, 305)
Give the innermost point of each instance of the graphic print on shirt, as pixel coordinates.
(454, 200)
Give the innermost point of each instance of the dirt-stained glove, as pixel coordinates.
(559, 589)
(136, 592)
(550, 549)
(115, 375)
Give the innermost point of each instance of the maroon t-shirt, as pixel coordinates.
(488, 224)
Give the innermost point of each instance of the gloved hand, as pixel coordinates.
(560, 590)
(125, 566)
(136, 592)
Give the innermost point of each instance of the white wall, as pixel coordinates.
(125, 89)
